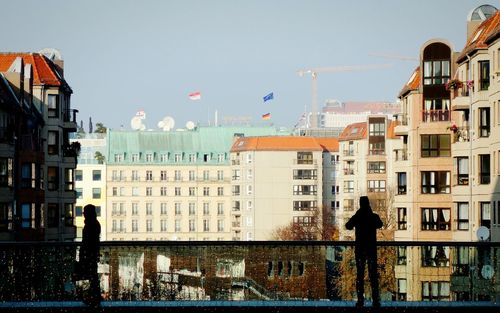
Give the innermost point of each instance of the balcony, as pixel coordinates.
(461, 134)
(349, 152)
(460, 99)
(69, 119)
(435, 116)
(243, 276)
(402, 128)
(348, 171)
(401, 154)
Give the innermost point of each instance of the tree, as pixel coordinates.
(99, 157)
(100, 128)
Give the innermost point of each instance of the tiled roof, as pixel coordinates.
(273, 143)
(43, 69)
(328, 144)
(390, 130)
(478, 39)
(412, 84)
(353, 132)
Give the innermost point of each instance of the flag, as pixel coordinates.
(141, 113)
(195, 95)
(266, 116)
(269, 97)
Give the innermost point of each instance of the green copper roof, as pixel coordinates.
(202, 140)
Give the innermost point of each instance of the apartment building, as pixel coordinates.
(276, 181)
(366, 170)
(90, 180)
(171, 185)
(44, 161)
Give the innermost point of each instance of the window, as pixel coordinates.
(462, 215)
(220, 208)
(401, 183)
(69, 216)
(436, 182)
(304, 205)
(436, 219)
(236, 205)
(401, 250)
(149, 226)
(192, 191)
(377, 129)
(163, 175)
(249, 205)
(436, 110)
(435, 256)
(462, 171)
(206, 208)
(401, 294)
(304, 220)
(349, 168)
(163, 191)
(485, 214)
(349, 186)
(78, 175)
(206, 175)
(53, 106)
(305, 174)
(484, 75)
(220, 225)
(402, 219)
(177, 191)
(192, 158)
(163, 208)
(484, 122)
(135, 208)
(192, 227)
(164, 158)
(376, 167)
(96, 175)
(305, 190)
(192, 175)
(206, 191)
(236, 175)
(177, 175)
(149, 175)
(163, 225)
(53, 142)
(221, 158)
(220, 175)
(304, 158)
(435, 146)
(206, 157)
(135, 191)
(348, 204)
(135, 175)
(249, 158)
(376, 186)
(192, 208)
(52, 215)
(135, 227)
(135, 157)
(149, 191)
(220, 191)
(79, 193)
(436, 72)
(78, 210)
(377, 148)
(177, 158)
(68, 179)
(461, 261)
(149, 157)
(335, 189)
(96, 193)
(28, 176)
(435, 290)
(206, 225)
(484, 168)
(177, 225)
(52, 178)
(177, 207)
(149, 208)
(119, 157)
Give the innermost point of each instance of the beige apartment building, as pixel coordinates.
(171, 185)
(276, 181)
(366, 170)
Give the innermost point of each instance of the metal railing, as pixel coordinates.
(271, 270)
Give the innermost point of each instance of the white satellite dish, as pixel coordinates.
(190, 125)
(136, 123)
(483, 233)
(167, 123)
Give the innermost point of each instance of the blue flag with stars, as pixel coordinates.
(269, 97)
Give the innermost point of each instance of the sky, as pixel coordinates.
(122, 56)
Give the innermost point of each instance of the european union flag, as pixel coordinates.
(268, 97)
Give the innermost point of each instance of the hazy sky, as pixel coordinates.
(121, 56)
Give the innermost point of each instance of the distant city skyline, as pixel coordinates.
(124, 56)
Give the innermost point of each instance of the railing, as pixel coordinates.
(272, 270)
(348, 152)
(435, 115)
(401, 154)
(402, 118)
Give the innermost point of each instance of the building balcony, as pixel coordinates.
(401, 154)
(348, 153)
(348, 171)
(429, 116)
(69, 120)
(402, 128)
(266, 275)
(460, 99)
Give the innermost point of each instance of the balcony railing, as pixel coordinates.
(435, 115)
(348, 152)
(401, 154)
(272, 270)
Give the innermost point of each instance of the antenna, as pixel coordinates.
(51, 54)
(167, 123)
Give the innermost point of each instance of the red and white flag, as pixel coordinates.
(195, 95)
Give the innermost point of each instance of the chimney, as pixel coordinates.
(15, 76)
(28, 83)
(60, 66)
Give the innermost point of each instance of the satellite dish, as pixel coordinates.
(483, 233)
(190, 125)
(167, 123)
(487, 271)
(51, 54)
(136, 123)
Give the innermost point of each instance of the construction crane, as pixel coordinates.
(393, 56)
(314, 84)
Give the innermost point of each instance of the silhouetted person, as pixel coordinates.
(89, 253)
(366, 224)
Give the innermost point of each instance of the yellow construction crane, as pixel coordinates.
(314, 84)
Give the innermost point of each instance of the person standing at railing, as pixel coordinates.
(366, 224)
(89, 253)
